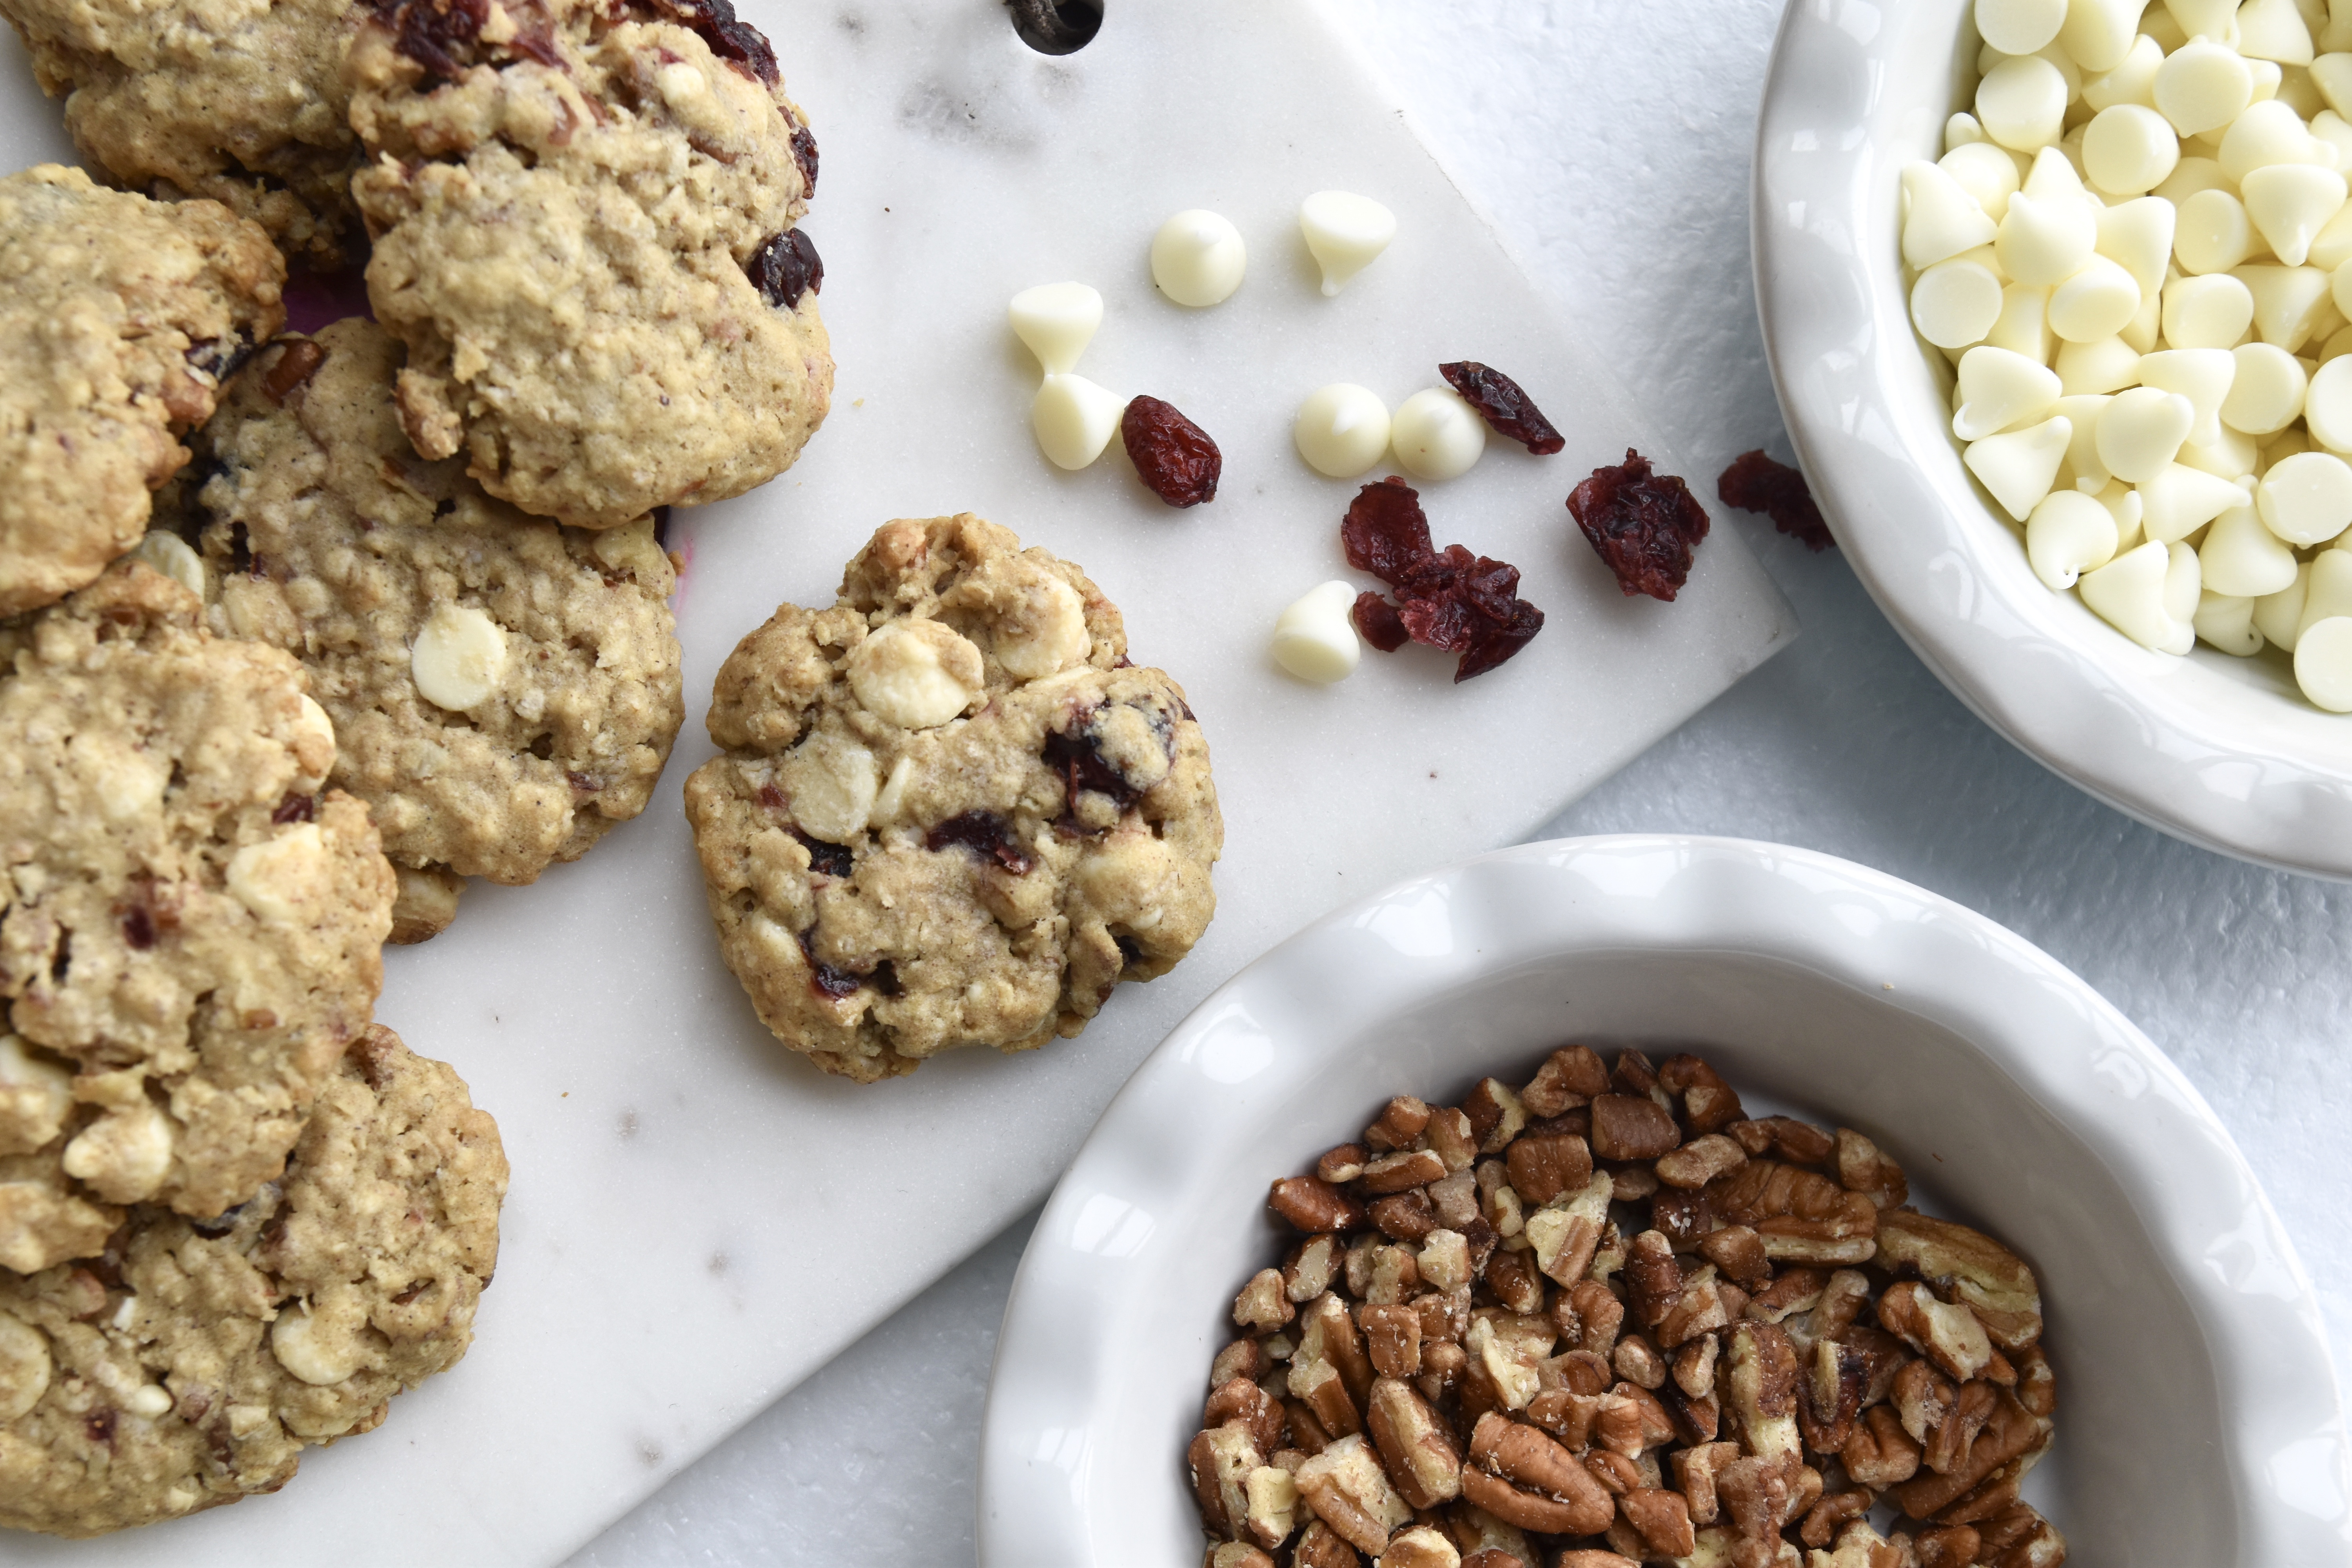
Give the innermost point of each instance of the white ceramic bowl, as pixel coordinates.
(2197, 1415)
(2221, 751)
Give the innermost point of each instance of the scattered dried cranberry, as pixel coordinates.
(784, 268)
(1642, 523)
(1505, 404)
(981, 830)
(828, 860)
(737, 42)
(805, 159)
(1448, 599)
(1174, 458)
(1083, 767)
(139, 928)
(295, 808)
(1755, 482)
(824, 978)
(439, 35)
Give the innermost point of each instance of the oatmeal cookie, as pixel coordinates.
(582, 217)
(189, 929)
(190, 1365)
(120, 318)
(240, 101)
(950, 811)
(324, 533)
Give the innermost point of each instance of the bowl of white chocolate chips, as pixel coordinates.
(2056, 294)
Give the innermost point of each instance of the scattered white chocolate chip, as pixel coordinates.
(2099, 301)
(915, 674)
(169, 553)
(1198, 259)
(1074, 419)
(314, 1345)
(36, 1094)
(830, 782)
(2130, 150)
(1437, 436)
(1345, 233)
(149, 1399)
(2278, 617)
(123, 1155)
(276, 876)
(2021, 102)
(1057, 322)
(458, 658)
(1313, 637)
(891, 803)
(2201, 376)
(2129, 593)
(2208, 313)
(1341, 429)
(1987, 172)
(2177, 500)
(2069, 533)
(2328, 406)
(1041, 629)
(2212, 233)
(2052, 226)
(2202, 86)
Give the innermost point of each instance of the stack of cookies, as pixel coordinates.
(305, 630)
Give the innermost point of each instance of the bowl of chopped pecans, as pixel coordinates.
(1660, 1199)
(2157, 721)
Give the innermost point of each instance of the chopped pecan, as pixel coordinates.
(1236, 1554)
(1739, 1253)
(1800, 1141)
(1570, 1077)
(1635, 1074)
(1395, 1173)
(1832, 1514)
(1592, 1557)
(1398, 1124)
(1407, 1216)
(1311, 1267)
(1273, 1505)
(1392, 1339)
(1450, 1138)
(1454, 1197)
(1262, 1304)
(1242, 1358)
(1239, 1399)
(1694, 1371)
(1444, 1260)
(1760, 1379)
(1761, 1494)
(1511, 1275)
(1654, 1281)
(1701, 1161)
(1632, 1127)
(1419, 1547)
(1709, 1104)
(1837, 1376)
(1319, 1386)
(2019, 1537)
(1307, 1433)
(1310, 1204)
(1803, 1217)
(1499, 1201)
(1441, 1366)
(1881, 1453)
(1423, 1462)
(1992, 1281)
(1219, 1461)
(1578, 1372)
(1522, 1476)
(1948, 1546)
(1475, 1531)
(1630, 1183)
(1496, 1557)
(1444, 1314)
(1320, 1547)
(1948, 1334)
(1704, 1307)
(1686, 1218)
(1350, 1492)
(1695, 1472)
(1589, 1315)
(2037, 1388)
(1638, 1362)
(1662, 1518)
(1946, 1446)
(1860, 1168)
(1568, 1231)
(1341, 1166)
(1696, 1420)
(1508, 1346)
(1495, 1114)
(2011, 1431)
(1838, 1302)
(1652, 1426)
(1541, 1167)
(1327, 1333)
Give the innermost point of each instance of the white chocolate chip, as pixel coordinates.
(278, 876)
(2177, 500)
(2024, 324)
(2021, 102)
(2265, 391)
(2019, 466)
(1954, 303)
(2288, 302)
(2068, 534)
(2228, 624)
(2323, 663)
(1437, 436)
(1987, 172)
(1198, 259)
(2103, 35)
(915, 674)
(1341, 429)
(2267, 135)
(1057, 320)
(123, 1155)
(1998, 389)
(2273, 30)
(25, 1366)
(681, 83)
(1943, 219)
(2129, 593)
(2212, 233)
(891, 803)
(2201, 376)
(149, 1400)
(2290, 203)
(2020, 26)
(2278, 617)
(1042, 629)
(2328, 406)
(2306, 498)
(1074, 419)
(2141, 432)
(1345, 233)
(2049, 231)
(2208, 313)
(2202, 86)
(2233, 457)
(2081, 465)
(1313, 637)
(2099, 301)
(458, 658)
(2326, 591)
(169, 553)
(35, 1095)
(2106, 366)
(315, 1345)
(2242, 558)
(2130, 150)
(2137, 236)
(1962, 131)
(831, 782)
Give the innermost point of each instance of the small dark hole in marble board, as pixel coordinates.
(1056, 27)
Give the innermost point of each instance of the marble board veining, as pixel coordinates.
(697, 1218)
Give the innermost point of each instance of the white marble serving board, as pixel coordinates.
(697, 1218)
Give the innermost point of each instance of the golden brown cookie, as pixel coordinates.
(950, 811)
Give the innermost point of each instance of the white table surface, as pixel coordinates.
(1607, 140)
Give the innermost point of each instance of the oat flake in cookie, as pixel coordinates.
(190, 925)
(950, 813)
(503, 689)
(239, 101)
(118, 320)
(582, 218)
(192, 1364)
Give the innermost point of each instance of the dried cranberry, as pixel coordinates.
(737, 42)
(1491, 642)
(1642, 523)
(1128, 949)
(981, 830)
(1379, 621)
(824, 978)
(805, 159)
(296, 364)
(97, 1426)
(828, 860)
(1505, 404)
(1083, 767)
(1385, 531)
(784, 268)
(1174, 458)
(295, 808)
(219, 357)
(433, 32)
(583, 783)
(1755, 482)
(139, 928)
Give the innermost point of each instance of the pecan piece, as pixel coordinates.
(1654, 1281)
(1837, 1376)
(1311, 1267)
(1632, 1127)
(1219, 1461)
(1243, 1359)
(1948, 1442)
(1992, 1281)
(1444, 1260)
(1398, 1124)
(1341, 1166)
(1395, 1173)
(1800, 1141)
(2037, 1388)
(1513, 1279)
(1701, 1161)
(1588, 1316)
(1593, 1557)
(2011, 1431)
(1454, 1197)
(1239, 1400)
(1327, 1333)
(1496, 1557)
(1522, 1476)
(1273, 1497)
(1311, 1203)
(1407, 1216)
(1860, 1168)
(1709, 1104)
(1948, 1546)
(1419, 1547)
(1495, 1114)
(1695, 1471)
(1319, 1547)
(1262, 1304)
(1392, 1339)
(1686, 1218)
(1451, 1138)
(1507, 1347)
(2019, 1537)
(1317, 1386)
(1801, 1216)
(1542, 1167)
(1704, 1307)
(1236, 1554)
(1350, 1492)
(1638, 1362)
(1568, 1231)
(1880, 1454)
(1948, 1335)
(1662, 1518)
(1571, 1076)
(1759, 1376)
(1739, 1253)
(1423, 1463)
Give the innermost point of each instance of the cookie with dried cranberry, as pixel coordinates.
(325, 534)
(240, 103)
(119, 319)
(948, 811)
(584, 232)
(190, 928)
(193, 1363)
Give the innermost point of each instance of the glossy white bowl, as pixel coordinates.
(2221, 751)
(2197, 1415)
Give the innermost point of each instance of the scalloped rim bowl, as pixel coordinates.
(2221, 751)
(2199, 1417)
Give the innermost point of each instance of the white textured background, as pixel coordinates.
(1607, 140)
